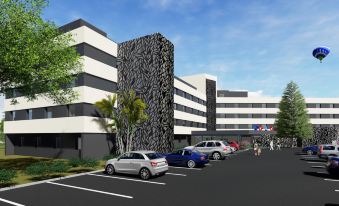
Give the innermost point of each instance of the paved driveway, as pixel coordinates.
(275, 178)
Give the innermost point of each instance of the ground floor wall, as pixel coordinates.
(63, 145)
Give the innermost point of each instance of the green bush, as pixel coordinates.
(46, 168)
(86, 162)
(59, 167)
(6, 176)
(38, 169)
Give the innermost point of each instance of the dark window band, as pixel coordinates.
(85, 49)
(83, 79)
(186, 123)
(189, 110)
(188, 96)
(72, 110)
(254, 116)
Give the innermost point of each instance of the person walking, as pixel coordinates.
(271, 145)
(255, 147)
(278, 144)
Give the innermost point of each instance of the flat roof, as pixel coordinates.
(231, 132)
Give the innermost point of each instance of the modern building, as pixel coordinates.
(182, 110)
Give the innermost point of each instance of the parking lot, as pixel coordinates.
(275, 178)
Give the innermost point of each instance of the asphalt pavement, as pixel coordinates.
(274, 178)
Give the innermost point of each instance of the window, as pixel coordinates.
(126, 156)
(218, 144)
(257, 105)
(29, 114)
(311, 105)
(210, 144)
(137, 156)
(243, 115)
(335, 105)
(325, 105)
(153, 156)
(229, 105)
(13, 115)
(179, 152)
(244, 105)
(71, 110)
(271, 116)
(272, 105)
(328, 148)
(202, 144)
(256, 115)
(188, 153)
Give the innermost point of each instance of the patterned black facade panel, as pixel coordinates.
(146, 65)
(211, 104)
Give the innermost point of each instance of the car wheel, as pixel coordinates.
(216, 156)
(191, 164)
(145, 174)
(309, 152)
(110, 169)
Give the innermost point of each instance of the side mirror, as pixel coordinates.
(118, 159)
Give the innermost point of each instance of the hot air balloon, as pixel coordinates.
(321, 52)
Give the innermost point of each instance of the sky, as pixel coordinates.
(258, 46)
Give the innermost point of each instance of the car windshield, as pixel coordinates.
(153, 156)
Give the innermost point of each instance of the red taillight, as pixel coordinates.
(225, 148)
(321, 149)
(154, 164)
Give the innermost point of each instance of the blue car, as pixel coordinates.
(311, 150)
(187, 158)
(333, 166)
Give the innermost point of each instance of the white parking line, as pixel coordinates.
(123, 178)
(10, 202)
(176, 174)
(322, 172)
(336, 190)
(91, 190)
(186, 168)
(318, 166)
(332, 180)
(316, 162)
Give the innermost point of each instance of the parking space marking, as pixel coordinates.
(91, 190)
(176, 174)
(322, 172)
(318, 166)
(128, 179)
(186, 168)
(316, 162)
(336, 190)
(332, 180)
(10, 202)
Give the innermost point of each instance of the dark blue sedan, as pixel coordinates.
(311, 150)
(187, 158)
(333, 166)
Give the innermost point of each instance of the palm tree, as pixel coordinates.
(125, 120)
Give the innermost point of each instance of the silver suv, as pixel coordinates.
(215, 149)
(328, 150)
(143, 163)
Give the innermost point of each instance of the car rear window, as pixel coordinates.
(225, 143)
(328, 148)
(153, 156)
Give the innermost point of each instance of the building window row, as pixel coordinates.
(270, 105)
(190, 110)
(188, 96)
(250, 126)
(186, 123)
(81, 109)
(259, 116)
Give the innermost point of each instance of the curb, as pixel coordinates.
(48, 180)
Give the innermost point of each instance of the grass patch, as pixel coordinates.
(20, 163)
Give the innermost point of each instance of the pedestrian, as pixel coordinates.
(278, 144)
(271, 145)
(259, 150)
(255, 147)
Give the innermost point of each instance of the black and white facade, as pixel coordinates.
(182, 110)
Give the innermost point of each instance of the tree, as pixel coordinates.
(292, 119)
(35, 57)
(125, 120)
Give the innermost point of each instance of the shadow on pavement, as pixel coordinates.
(331, 204)
(321, 175)
(313, 159)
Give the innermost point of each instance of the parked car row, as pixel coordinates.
(149, 163)
(326, 151)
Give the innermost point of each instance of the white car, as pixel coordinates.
(142, 163)
(328, 150)
(213, 148)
